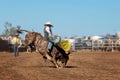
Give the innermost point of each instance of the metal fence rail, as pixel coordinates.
(97, 46)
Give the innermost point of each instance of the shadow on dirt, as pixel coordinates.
(48, 67)
(64, 67)
(71, 67)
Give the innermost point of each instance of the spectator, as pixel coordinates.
(16, 41)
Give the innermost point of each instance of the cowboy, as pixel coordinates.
(16, 41)
(49, 36)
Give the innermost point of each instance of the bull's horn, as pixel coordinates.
(67, 52)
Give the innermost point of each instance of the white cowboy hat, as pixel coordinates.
(48, 24)
(16, 34)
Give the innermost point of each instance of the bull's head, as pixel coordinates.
(62, 57)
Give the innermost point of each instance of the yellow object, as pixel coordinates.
(65, 44)
(16, 40)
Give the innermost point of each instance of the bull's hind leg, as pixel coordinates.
(52, 59)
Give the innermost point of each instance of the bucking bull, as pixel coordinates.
(58, 56)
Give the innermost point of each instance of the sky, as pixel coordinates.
(69, 17)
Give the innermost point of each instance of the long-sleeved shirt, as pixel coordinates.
(16, 40)
(48, 33)
(48, 30)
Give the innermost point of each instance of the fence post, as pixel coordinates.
(92, 45)
(112, 47)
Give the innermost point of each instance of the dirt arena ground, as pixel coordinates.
(82, 65)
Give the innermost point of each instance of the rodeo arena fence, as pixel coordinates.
(6, 45)
(105, 46)
(71, 44)
(97, 46)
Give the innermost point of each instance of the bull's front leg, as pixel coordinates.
(52, 59)
(46, 55)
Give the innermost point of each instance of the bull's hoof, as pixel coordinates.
(57, 66)
(60, 66)
(45, 58)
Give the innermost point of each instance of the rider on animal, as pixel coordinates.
(49, 36)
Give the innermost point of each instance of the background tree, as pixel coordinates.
(10, 29)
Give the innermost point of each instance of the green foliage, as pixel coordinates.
(10, 29)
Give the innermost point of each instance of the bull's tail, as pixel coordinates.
(25, 30)
(20, 31)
